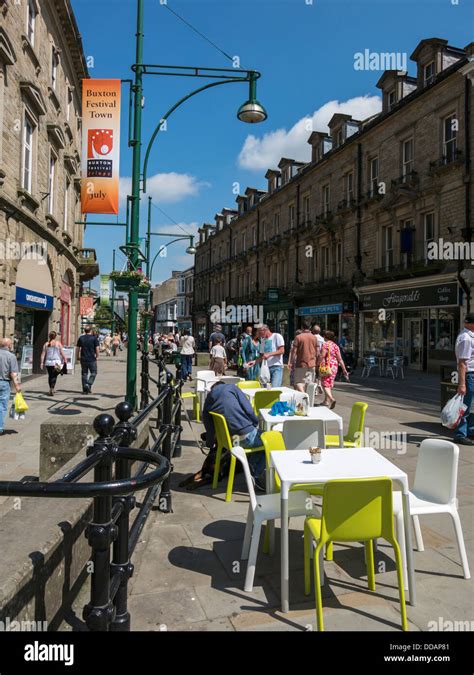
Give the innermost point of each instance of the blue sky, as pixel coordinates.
(306, 55)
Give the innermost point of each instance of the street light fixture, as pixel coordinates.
(252, 111)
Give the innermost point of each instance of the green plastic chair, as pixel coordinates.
(265, 399)
(249, 384)
(353, 438)
(353, 510)
(224, 441)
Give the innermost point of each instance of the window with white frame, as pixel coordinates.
(450, 127)
(29, 127)
(307, 208)
(67, 187)
(338, 259)
(387, 247)
(374, 176)
(349, 186)
(69, 104)
(52, 182)
(429, 230)
(391, 99)
(181, 285)
(326, 199)
(325, 262)
(54, 67)
(407, 157)
(291, 216)
(429, 73)
(31, 21)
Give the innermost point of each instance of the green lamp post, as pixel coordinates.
(251, 111)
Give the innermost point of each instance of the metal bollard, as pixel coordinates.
(100, 533)
(121, 564)
(178, 451)
(145, 382)
(164, 504)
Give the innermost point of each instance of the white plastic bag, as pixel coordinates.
(453, 411)
(265, 376)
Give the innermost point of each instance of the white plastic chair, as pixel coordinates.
(203, 380)
(395, 366)
(264, 508)
(304, 433)
(230, 379)
(434, 491)
(369, 363)
(313, 389)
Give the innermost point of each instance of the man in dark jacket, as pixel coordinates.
(229, 401)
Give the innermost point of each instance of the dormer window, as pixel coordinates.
(391, 99)
(339, 138)
(429, 73)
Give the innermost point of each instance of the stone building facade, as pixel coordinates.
(42, 260)
(348, 238)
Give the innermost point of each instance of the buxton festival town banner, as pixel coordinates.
(104, 290)
(100, 146)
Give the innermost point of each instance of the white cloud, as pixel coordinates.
(166, 187)
(266, 152)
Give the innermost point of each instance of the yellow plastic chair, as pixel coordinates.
(249, 384)
(353, 438)
(224, 441)
(265, 399)
(353, 510)
(196, 410)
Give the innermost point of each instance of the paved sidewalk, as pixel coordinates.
(188, 573)
(19, 447)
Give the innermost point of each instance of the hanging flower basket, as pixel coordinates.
(124, 281)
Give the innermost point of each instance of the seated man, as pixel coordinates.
(229, 401)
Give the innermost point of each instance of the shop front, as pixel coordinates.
(279, 315)
(418, 322)
(33, 307)
(338, 317)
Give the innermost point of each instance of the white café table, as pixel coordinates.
(316, 413)
(295, 466)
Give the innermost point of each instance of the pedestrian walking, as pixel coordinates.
(216, 335)
(272, 348)
(8, 375)
(328, 363)
(54, 359)
(108, 344)
(115, 343)
(250, 351)
(303, 357)
(87, 354)
(464, 349)
(187, 349)
(218, 362)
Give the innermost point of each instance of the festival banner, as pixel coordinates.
(104, 290)
(100, 146)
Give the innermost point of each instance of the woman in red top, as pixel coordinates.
(329, 361)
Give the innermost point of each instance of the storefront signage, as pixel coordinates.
(33, 299)
(439, 295)
(100, 146)
(273, 295)
(320, 309)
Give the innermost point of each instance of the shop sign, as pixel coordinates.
(33, 299)
(320, 309)
(273, 295)
(437, 295)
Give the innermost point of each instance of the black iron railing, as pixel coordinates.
(112, 459)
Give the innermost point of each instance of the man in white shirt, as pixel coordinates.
(316, 330)
(464, 433)
(272, 348)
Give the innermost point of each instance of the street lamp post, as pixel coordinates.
(251, 111)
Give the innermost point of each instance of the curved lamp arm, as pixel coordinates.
(159, 251)
(255, 75)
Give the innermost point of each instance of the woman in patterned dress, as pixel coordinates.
(330, 359)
